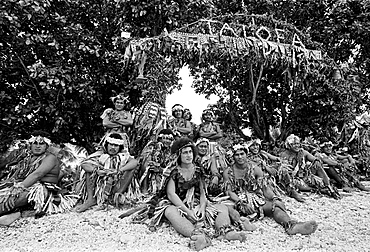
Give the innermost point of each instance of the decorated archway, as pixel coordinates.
(254, 43)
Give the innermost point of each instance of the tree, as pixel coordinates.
(62, 60)
(310, 102)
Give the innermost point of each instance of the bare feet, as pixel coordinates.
(304, 228)
(348, 189)
(199, 242)
(247, 225)
(85, 206)
(295, 195)
(8, 219)
(362, 187)
(235, 236)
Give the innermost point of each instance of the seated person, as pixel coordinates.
(154, 158)
(109, 174)
(252, 199)
(213, 183)
(33, 180)
(272, 169)
(307, 170)
(212, 176)
(341, 168)
(182, 201)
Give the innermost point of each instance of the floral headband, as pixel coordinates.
(243, 147)
(177, 108)
(166, 136)
(39, 139)
(201, 140)
(326, 143)
(254, 141)
(115, 141)
(208, 111)
(292, 139)
(120, 97)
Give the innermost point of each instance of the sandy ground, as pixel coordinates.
(343, 226)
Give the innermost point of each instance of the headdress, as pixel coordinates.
(291, 139)
(115, 141)
(112, 140)
(254, 141)
(166, 133)
(120, 96)
(183, 143)
(324, 142)
(177, 107)
(243, 147)
(364, 119)
(201, 140)
(208, 111)
(39, 139)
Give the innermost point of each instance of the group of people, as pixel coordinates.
(183, 176)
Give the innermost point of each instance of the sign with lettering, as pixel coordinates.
(236, 39)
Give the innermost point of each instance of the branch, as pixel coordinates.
(2, 124)
(255, 87)
(28, 74)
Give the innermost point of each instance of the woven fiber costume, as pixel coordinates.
(46, 197)
(155, 157)
(306, 172)
(262, 161)
(248, 190)
(107, 175)
(188, 190)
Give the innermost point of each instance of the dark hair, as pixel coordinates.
(323, 140)
(166, 132)
(182, 143)
(172, 113)
(187, 111)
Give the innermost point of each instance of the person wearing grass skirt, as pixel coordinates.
(33, 181)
